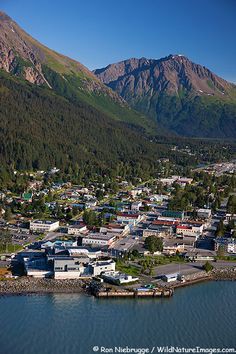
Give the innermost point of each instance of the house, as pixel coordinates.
(99, 267)
(169, 181)
(184, 180)
(44, 225)
(99, 239)
(136, 206)
(135, 192)
(27, 197)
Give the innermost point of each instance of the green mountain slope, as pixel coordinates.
(40, 129)
(184, 97)
(25, 57)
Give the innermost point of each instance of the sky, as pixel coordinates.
(101, 32)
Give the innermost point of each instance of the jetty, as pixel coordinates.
(101, 292)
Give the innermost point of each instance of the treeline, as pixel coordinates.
(197, 117)
(39, 130)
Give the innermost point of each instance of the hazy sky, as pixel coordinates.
(99, 32)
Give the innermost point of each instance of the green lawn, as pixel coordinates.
(128, 269)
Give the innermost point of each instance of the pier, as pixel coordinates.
(154, 293)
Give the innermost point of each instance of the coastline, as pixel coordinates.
(31, 286)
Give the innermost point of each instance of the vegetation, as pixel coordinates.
(208, 267)
(127, 268)
(153, 244)
(208, 190)
(196, 116)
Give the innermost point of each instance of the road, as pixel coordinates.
(189, 268)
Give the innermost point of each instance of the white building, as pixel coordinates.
(136, 206)
(76, 229)
(170, 277)
(118, 278)
(189, 230)
(44, 225)
(99, 239)
(204, 213)
(128, 218)
(69, 268)
(99, 267)
(119, 229)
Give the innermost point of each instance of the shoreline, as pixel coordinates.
(38, 286)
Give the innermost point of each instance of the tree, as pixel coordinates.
(99, 194)
(8, 214)
(207, 267)
(89, 218)
(220, 229)
(231, 205)
(135, 253)
(75, 210)
(220, 251)
(153, 244)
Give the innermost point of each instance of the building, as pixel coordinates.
(44, 225)
(135, 192)
(170, 277)
(27, 197)
(129, 218)
(197, 256)
(99, 239)
(169, 180)
(118, 278)
(90, 253)
(151, 232)
(170, 247)
(184, 180)
(76, 229)
(99, 267)
(204, 213)
(189, 230)
(228, 244)
(36, 266)
(119, 229)
(172, 214)
(136, 206)
(69, 268)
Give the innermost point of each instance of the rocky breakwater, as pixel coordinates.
(33, 285)
(224, 274)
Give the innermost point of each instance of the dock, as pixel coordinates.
(155, 293)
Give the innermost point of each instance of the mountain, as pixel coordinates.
(55, 112)
(182, 96)
(26, 58)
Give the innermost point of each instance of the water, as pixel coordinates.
(201, 315)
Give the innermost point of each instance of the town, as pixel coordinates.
(143, 236)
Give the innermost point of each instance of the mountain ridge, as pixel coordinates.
(176, 93)
(25, 57)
